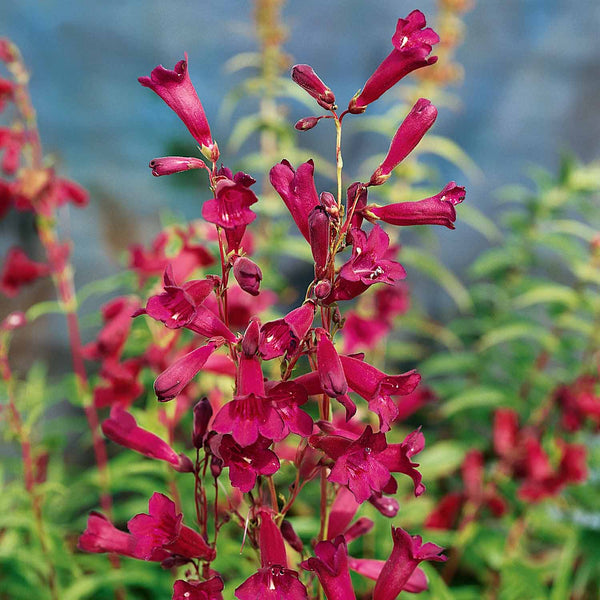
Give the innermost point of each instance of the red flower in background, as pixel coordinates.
(20, 270)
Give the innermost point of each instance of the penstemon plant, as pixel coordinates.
(279, 410)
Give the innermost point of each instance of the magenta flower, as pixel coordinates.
(167, 165)
(20, 270)
(371, 568)
(368, 264)
(406, 555)
(195, 590)
(287, 397)
(176, 89)
(247, 274)
(411, 131)
(297, 190)
(250, 413)
(111, 339)
(311, 382)
(284, 335)
(122, 385)
(378, 388)
(122, 429)
(437, 210)
(101, 536)
(308, 80)
(182, 306)
(356, 462)
(163, 529)
(331, 373)
(171, 382)
(231, 205)
(273, 581)
(397, 459)
(331, 566)
(245, 464)
(412, 45)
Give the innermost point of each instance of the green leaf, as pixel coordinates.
(477, 220)
(448, 364)
(476, 397)
(545, 293)
(441, 459)
(105, 286)
(44, 308)
(565, 568)
(453, 153)
(242, 60)
(433, 268)
(518, 331)
(570, 227)
(437, 587)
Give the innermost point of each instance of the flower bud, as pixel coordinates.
(329, 203)
(13, 321)
(331, 373)
(202, 414)
(319, 234)
(291, 537)
(308, 80)
(307, 123)
(216, 466)
(247, 274)
(251, 337)
(323, 289)
(168, 165)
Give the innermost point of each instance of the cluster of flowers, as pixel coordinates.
(29, 187)
(251, 432)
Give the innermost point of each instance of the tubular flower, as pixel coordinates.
(308, 80)
(20, 270)
(195, 590)
(122, 429)
(297, 190)
(245, 463)
(284, 335)
(274, 580)
(331, 566)
(356, 462)
(368, 264)
(176, 89)
(411, 131)
(163, 529)
(331, 373)
(437, 210)
(412, 45)
(406, 555)
(378, 388)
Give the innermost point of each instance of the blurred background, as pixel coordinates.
(531, 89)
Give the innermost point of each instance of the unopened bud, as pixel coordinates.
(329, 203)
(291, 537)
(307, 123)
(168, 165)
(216, 466)
(247, 274)
(323, 289)
(308, 80)
(202, 414)
(251, 337)
(318, 235)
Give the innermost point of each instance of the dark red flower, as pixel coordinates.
(20, 270)
(297, 190)
(163, 529)
(412, 45)
(437, 210)
(308, 80)
(176, 89)
(122, 429)
(406, 555)
(196, 590)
